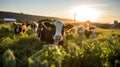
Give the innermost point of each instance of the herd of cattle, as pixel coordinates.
(53, 32)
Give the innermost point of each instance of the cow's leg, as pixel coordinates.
(15, 32)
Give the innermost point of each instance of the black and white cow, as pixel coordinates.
(34, 26)
(19, 27)
(88, 32)
(52, 32)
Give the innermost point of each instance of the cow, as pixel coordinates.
(81, 30)
(87, 31)
(52, 33)
(19, 27)
(34, 26)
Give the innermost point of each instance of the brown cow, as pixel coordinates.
(19, 27)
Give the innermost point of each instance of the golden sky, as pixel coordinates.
(109, 9)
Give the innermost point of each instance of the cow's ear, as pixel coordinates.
(14, 23)
(68, 27)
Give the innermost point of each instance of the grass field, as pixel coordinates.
(26, 51)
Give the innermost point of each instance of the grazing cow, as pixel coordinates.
(34, 26)
(52, 33)
(88, 32)
(19, 27)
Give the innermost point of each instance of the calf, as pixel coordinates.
(19, 27)
(88, 32)
(52, 33)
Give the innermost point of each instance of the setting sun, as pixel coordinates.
(84, 13)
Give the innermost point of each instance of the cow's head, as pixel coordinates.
(58, 30)
(19, 27)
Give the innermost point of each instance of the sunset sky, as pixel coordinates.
(109, 9)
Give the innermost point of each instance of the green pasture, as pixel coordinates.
(25, 50)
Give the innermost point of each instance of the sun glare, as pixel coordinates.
(84, 13)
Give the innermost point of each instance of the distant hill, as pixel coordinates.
(104, 26)
(116, 26)
(26, 17)
(20, 16)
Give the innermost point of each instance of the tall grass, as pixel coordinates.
(102, 51)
